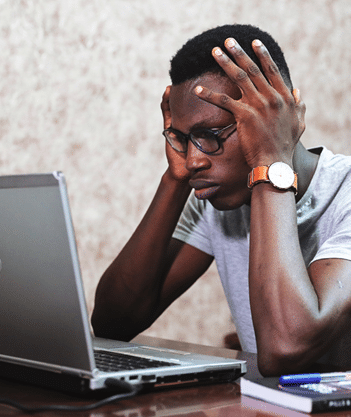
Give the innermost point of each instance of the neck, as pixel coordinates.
(305, 163)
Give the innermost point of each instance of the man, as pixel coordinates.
(275, 216)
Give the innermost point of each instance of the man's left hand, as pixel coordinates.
(270, 118)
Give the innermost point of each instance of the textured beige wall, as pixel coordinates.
(80, 86)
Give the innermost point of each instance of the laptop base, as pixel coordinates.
(75, 385)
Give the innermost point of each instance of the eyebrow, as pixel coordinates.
(207, 122)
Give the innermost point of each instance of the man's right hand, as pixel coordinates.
(152, 269)
(176, 160)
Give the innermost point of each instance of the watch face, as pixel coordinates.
(281, 175)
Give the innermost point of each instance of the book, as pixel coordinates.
(307, 398)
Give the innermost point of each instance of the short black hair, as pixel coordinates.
(195, 58)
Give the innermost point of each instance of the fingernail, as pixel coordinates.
(230, 43)
(257, 42)
(218, 51)
(198, 89)
(296, 94)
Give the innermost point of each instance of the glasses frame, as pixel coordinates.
(190, 136)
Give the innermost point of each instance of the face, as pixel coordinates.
(222, 177)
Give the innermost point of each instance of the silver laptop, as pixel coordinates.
(45, 336)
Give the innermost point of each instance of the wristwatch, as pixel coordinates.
(279, 174)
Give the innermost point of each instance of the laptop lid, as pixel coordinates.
(42, 301)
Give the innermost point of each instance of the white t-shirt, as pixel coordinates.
(324, 227)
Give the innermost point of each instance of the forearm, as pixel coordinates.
(285, 306)
(128, 293)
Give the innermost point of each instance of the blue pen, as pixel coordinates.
(300, 379)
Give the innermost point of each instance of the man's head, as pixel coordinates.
(220, 176)
(195, 59)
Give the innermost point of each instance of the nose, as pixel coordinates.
(195, 159)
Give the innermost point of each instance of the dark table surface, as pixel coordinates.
(218, 400)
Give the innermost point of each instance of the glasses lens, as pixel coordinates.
(176, 140)
(205, 140)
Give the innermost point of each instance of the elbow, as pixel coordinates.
(274, 364)
(293, 346)
(107, 330)
(278, 362)
(115, 325)
(120, 318)
(286, 355)
(101, 327)
(107, 321)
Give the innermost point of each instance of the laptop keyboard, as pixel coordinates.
(116, 361)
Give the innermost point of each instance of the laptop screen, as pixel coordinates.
(42, 307)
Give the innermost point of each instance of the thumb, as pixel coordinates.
(166, 112)
(300, 111)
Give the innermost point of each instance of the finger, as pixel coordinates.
(244, 62)
(224, 101)
(166, 112)
(270, 68)
(238, 75)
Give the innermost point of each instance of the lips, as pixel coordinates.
(203, 189)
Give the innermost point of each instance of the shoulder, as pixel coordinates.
(328, 196)
(334, 162)
(333, 172)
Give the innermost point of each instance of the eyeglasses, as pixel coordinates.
(206, 140)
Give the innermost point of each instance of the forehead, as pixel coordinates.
(189, 111)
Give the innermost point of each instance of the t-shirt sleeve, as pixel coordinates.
(337, 230)
(192, 227)
(338, 244)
